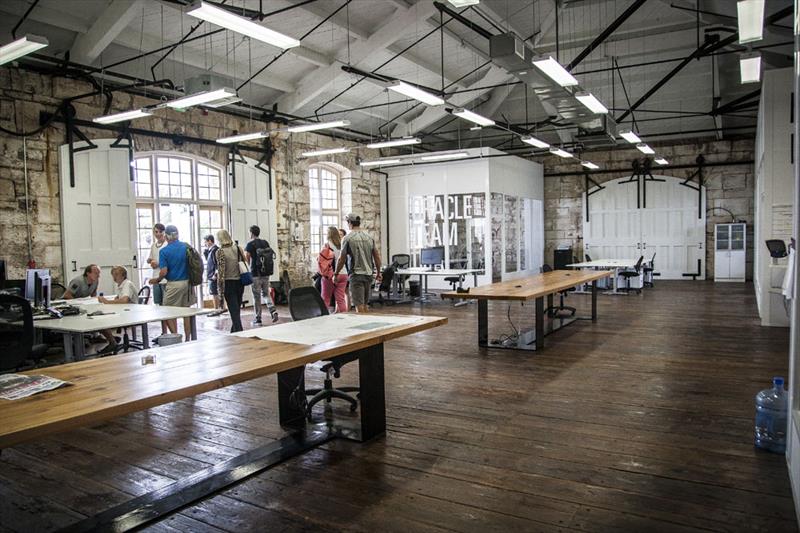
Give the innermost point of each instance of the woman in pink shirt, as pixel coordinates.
(326, 263)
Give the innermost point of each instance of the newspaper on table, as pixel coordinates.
(16, 386)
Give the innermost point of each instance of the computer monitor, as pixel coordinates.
(30, 281)
(431, 256)
(41, 293)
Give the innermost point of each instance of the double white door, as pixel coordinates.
(659, 218)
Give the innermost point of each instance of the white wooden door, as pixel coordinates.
(250, 204)
(614, 227)
(98, 213)
(671, 228)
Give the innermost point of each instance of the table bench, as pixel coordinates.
(535, 287)
(103, 389)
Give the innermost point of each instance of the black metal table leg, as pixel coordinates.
(539, 323)
(371, 392)
(291, 397)
(483, 322)
(594, 301)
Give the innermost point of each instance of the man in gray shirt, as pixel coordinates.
(85, 285)
(364, 258)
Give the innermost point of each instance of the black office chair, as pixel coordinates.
(402, 261)
(455, 281)
(588, 257)
(304, 303)
(628, 274)
(649, 272)
(130, 342)
(57, 291)
(555, 309)
(777, 248)
(19, 347)
(385, 286)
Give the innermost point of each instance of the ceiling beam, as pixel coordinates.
(362, 56)
(111, 22)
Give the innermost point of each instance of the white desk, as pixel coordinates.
(608, 264)
(74, 327)
(424, 273)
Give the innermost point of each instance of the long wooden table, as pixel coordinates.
(103, 389)
(536, 287)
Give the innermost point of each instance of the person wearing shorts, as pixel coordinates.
(174, 267)
(362, 259)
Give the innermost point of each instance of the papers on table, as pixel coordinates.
(328, 328)
(16, 386)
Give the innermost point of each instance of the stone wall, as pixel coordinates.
(23, 95)
(729, 187)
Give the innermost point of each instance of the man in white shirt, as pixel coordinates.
(125, 292)
(159, 241)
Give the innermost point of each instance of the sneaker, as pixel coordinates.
(109, 349)
(257, 322)
(274, 316)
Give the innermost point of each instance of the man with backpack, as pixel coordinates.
(262, 265)
(180, 265)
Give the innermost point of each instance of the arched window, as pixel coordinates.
(324, 183)
(176, 189)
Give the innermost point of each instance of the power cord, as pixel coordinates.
(508, 340)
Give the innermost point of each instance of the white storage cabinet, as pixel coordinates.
(729, 252)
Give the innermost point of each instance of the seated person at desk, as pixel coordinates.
(85, 285)
(125, 292)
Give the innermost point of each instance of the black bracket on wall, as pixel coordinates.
(71, 133)
(699, 185)
(266, 157)
(647, 175)
(125, 135)
(234, 156)
(694, 275)
(636, 178)
(586, 181)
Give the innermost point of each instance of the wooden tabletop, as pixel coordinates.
(109, 387)
(530, 287)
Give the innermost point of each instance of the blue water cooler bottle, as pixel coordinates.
(771, 421)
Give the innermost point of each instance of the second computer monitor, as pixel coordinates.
(30, 280)
(431, 256)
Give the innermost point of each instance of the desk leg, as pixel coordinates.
(594, 301)
(550, 310)
(539, 323)
(483, 322)
(145, 337)
(292, 383)
(193, 326)
(69, 356)
(371, 392)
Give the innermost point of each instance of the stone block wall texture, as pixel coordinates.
(32, 215)
(730, 187)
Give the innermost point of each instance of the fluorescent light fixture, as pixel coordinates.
(21, 47)
(226, 19)
(223, 102)
(533, 141)
(645, 148)
(592, 103)
(559, 152)
(201, 98)
(415, 92)
(443, 157)
(329, 151)
(476, 128)
(394, 142)
(122, 117)
(243, 137)
(555, 71)
(661, 161)
(750, 67)
(751, 20)
(473, 117)
(379, 162)
(629, 136)
(463, 3)
(589, 165)
(318, 126)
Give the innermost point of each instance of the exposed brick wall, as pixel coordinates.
(730, 187)
(23, 95)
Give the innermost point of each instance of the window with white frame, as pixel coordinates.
(325, 195)
(180, 190)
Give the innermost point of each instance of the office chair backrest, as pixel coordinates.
(386, 278)
(401, 260)
(144, 295)
(546, 268)
(588, 257)
(653, 260)
(306, 302)
(57, 291)
(16, 347)
(638, 266)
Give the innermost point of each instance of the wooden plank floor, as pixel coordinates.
(640, 422)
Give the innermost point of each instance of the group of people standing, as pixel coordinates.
(357, 251)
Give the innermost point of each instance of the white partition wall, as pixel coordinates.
(454, 204)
